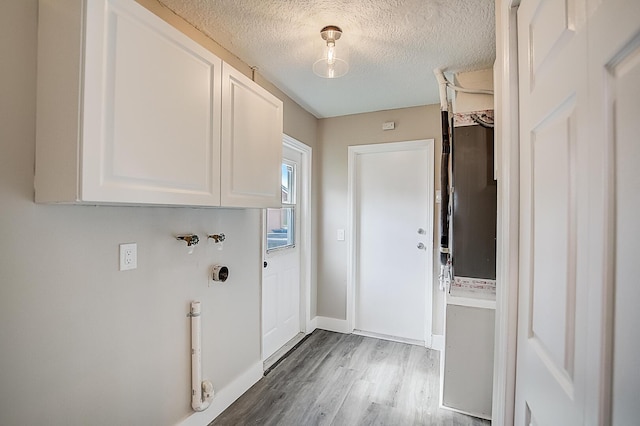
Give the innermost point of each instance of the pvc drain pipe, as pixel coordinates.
(201, 391)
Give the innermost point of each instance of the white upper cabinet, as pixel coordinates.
(129, 112)
(251, 143)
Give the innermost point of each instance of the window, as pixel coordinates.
(281, 222)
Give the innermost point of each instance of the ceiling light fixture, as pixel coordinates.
(330, 64)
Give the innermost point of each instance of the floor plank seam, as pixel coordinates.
(289, 352)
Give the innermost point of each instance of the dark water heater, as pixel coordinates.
(474, 203)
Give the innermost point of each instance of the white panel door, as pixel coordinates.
(625, 85)
(392, 198)
(579, 77)
(251, 143)
(281, 278)
(552, 322)
(614, 82)
(151, 128)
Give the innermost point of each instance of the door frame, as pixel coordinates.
(303, 209)
(353, 152)
(304, 232)
(507, 139)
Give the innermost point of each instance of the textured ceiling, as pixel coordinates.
(393, 45)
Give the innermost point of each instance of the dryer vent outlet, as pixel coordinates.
(219, 273)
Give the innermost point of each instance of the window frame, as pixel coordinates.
(287, 204)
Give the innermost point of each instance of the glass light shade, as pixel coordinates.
(332, 64)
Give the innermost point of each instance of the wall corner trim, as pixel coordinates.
(437, 342)
(312, 325)
(226, 396)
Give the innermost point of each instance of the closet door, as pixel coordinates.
(552, 317)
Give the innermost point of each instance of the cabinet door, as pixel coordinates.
(251, 143)
(151, 130)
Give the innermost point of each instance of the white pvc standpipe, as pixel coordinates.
(201, 391)
(442, 87)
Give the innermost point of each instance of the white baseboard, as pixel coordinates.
(466, 413)
(390, 338)
(342, 326)
(437, 342)
(333, 324)
(226, 396)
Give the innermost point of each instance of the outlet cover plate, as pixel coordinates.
(128, 256)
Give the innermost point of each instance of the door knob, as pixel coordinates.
(421, 231)
(421, 246)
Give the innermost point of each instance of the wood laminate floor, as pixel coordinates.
(345, 379)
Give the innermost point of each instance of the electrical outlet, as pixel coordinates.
(128, 256)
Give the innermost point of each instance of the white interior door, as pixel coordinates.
(281, 273)
(626, 349)
(393, 204)
(552, 323)
(579, 77)
(614, 66)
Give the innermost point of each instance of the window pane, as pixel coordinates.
(280, 228)
(288, 184)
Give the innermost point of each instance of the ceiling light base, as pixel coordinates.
(331, 33)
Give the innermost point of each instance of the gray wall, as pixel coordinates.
(334, 137)
(83, 343)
